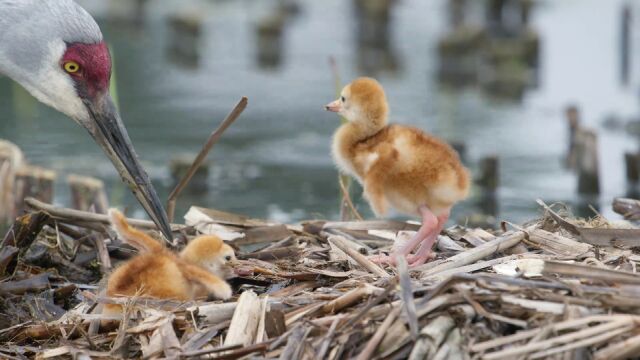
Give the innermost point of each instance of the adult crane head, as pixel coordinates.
(55, 50)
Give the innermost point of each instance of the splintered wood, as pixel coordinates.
(557, 287)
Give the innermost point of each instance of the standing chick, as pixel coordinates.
(399, 166)
(157, 272)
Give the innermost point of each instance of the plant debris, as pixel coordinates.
(557, 286)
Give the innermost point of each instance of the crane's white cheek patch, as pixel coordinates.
(55, 88)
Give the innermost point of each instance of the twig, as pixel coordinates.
(327, 339)
(609, 326)
(472, 255)
(359, 258)
(390, 287)
(483, 312)
(350, 298)
(230, 352)
(77, 216)
(370, 348)
(406, 294)
(622, 350)
(213, 139)
(587, 341)
(343, 180)
(346, 199)
(244, 323)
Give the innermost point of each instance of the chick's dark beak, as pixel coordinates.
(108, 131)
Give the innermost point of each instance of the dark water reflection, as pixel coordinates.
(274, 162)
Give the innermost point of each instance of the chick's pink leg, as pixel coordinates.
(429, 224)
(424, 252)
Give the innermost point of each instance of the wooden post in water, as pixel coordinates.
(461, 148)
(573, 120)
(139, 12)
(88, 193)
(457, 10)
(582, 155)
(632, 162)
(525, 12)
(269, 42)
(373, 35)
(625, 45)
(184, 39)
(587, 162)
(11, 158)
(489, 177)
(179, 168)
(32, 181)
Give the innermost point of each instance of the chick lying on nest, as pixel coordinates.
(159, 273)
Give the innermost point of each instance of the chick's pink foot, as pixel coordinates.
(415, 260)
(382, 259)
(425, 237)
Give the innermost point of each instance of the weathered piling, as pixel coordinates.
(625, 45)
(587, 162)
(35, 182)
(127, 12)
(185, 31)
(87, 194)
(632, 166)
(179, 168)
(373, 37)
(139, 12)
(11, 158)
(269, 40)
(489, 174)
(582, 155)
(499, 53)
(507, 17)
(456, 11)
(461, 148)
(572, 116)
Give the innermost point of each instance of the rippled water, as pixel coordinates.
(274, 161)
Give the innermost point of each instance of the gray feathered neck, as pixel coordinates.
(62, 19)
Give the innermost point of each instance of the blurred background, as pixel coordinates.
(540, 97)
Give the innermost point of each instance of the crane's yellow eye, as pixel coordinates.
(71, 67)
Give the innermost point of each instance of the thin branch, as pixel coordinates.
(343, 180)
(347, 199)
(213, 139)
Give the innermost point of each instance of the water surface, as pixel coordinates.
(274, 162)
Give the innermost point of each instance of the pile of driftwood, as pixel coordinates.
(556, 287)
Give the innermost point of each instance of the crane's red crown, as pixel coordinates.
(95, 67)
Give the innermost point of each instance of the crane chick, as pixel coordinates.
(399, 166)
(159, 273)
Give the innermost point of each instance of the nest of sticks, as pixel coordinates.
(556, 287)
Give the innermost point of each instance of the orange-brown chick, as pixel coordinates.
(159, 273)
(211, 253)
(399, 166)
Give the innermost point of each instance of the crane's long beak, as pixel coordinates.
(109, 132)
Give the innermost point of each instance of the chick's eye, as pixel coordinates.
(343, 99)
(71, 67)
(227, 258)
